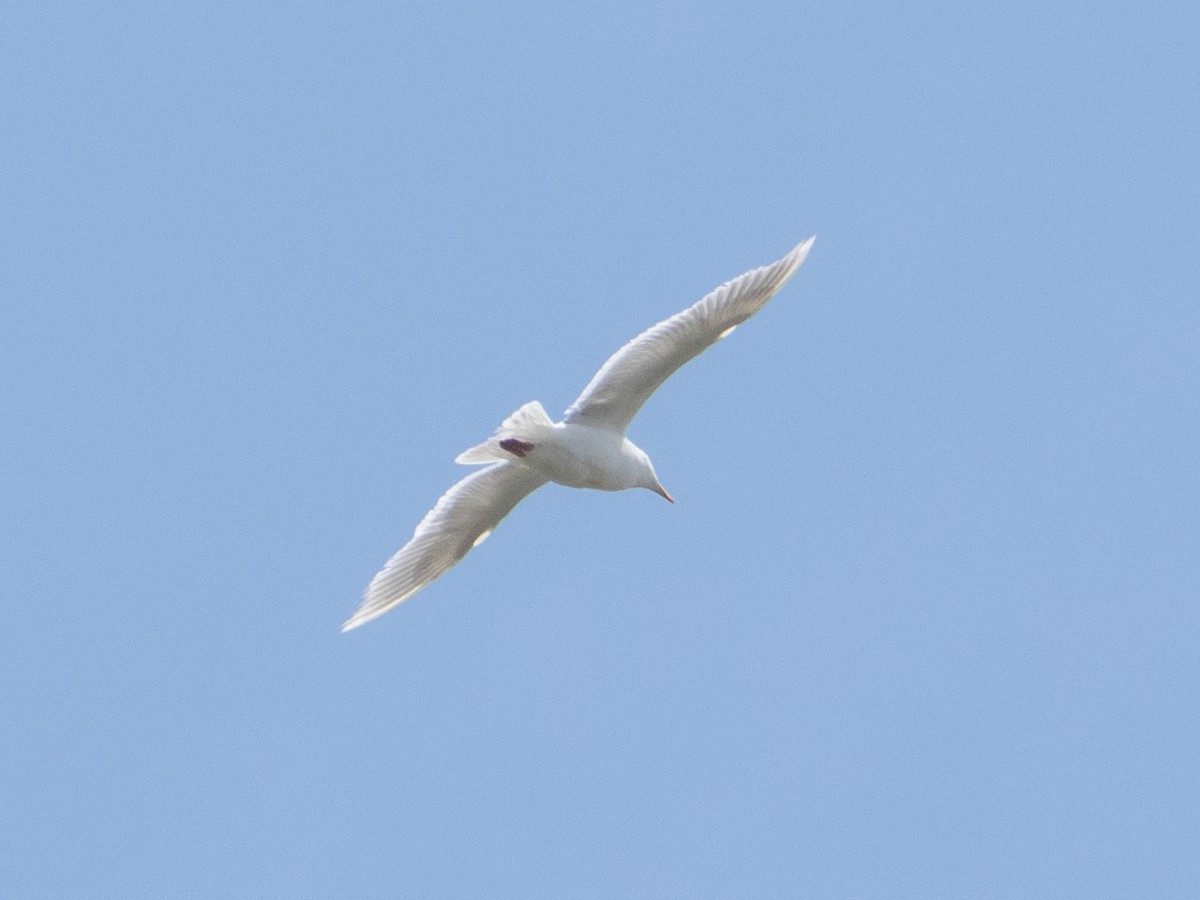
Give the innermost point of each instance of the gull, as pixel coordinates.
(587, 449)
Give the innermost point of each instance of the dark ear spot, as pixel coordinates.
(516, 447)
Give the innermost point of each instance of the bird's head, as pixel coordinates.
(646, 476)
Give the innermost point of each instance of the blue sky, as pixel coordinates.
(923, 621)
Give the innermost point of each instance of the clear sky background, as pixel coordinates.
(924, 620)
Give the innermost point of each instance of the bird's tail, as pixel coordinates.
(516, 436)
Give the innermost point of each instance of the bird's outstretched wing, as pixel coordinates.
(615, 394)
(464, 516)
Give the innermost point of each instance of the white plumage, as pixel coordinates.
(588, 448)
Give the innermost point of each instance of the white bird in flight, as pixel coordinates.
(587, 449)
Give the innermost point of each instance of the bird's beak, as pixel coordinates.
(662, 492)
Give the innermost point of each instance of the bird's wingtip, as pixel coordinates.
(360, 617)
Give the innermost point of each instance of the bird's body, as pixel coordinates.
(581, 456)
(587, 449)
